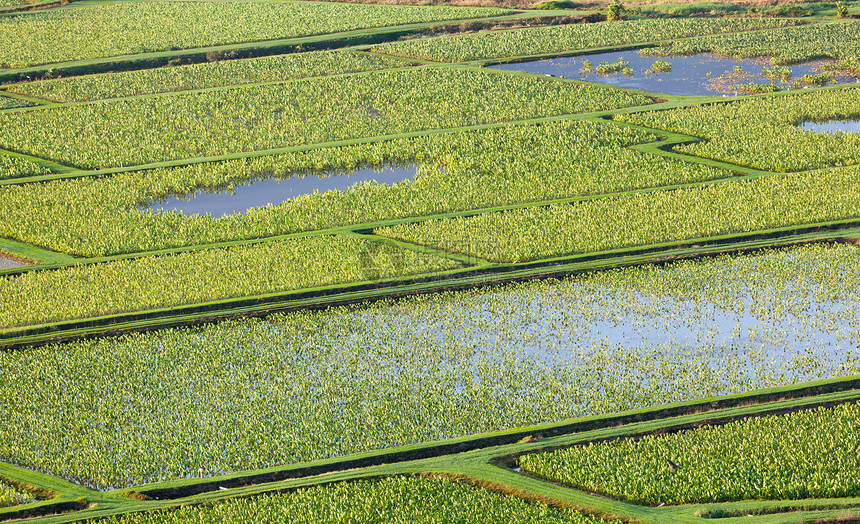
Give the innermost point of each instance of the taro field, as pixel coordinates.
(307, 262)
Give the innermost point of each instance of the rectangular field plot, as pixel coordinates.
(141, 27)
(766, 132)
(647, 218)
(220, 122)
(541, 40)
(254, 393)
(199, 76)
(193, 277)
(433, 500)
(462, 170)
(803, 455)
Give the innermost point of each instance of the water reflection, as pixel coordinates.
(832, 126)
(697, 75)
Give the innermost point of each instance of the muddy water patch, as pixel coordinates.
(239, 198)
(696, 75)
(832, 126)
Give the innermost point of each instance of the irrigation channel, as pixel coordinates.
(697, 75)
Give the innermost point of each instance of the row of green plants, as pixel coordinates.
(456, 171)
(193, 277)
(397, 500)
(107, 30)
(646, 218)
(532, 41)
(838, 41)
(764, 132)
(15, 167)
(138, 131)
(10, 495)
(200, 76)
(804, 455)
(255, 393)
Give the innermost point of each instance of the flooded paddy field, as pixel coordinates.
(239, 198)
(329, 383)
(696, 75)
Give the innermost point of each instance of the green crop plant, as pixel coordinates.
(391, 499)
(646, 218)
(764, 132)
(127, 28)
(804, 455)
(10, 495)
(199, 76)
(558, 39)
(254, 393)
(219, 122)
(481, 168)
(14, 167)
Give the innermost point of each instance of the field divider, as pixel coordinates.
(35, 253)
(394, 287)
(33, 100)
(56, 167)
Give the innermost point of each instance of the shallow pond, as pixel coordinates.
(832, 126)
(697, 75)
(257, 193)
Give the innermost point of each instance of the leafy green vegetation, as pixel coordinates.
(804, 455)
(201, 276)
(481, 168)
(13, 167)
(254, 393)
(12, 496)
(391, 499)
(12, 103)
(646, 218)
(217, 122)
(540, 40)
(763, 132)
(139, 27)
(199, 76)
(785, 45)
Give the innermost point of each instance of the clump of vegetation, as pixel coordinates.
(661, 66)
(777, 73)
(587, 67)
(841, 10)
(619, 66)
(615, 11)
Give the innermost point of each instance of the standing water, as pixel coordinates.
(697, 75)
(257, 193)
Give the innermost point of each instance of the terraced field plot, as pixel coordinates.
(449, 287)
